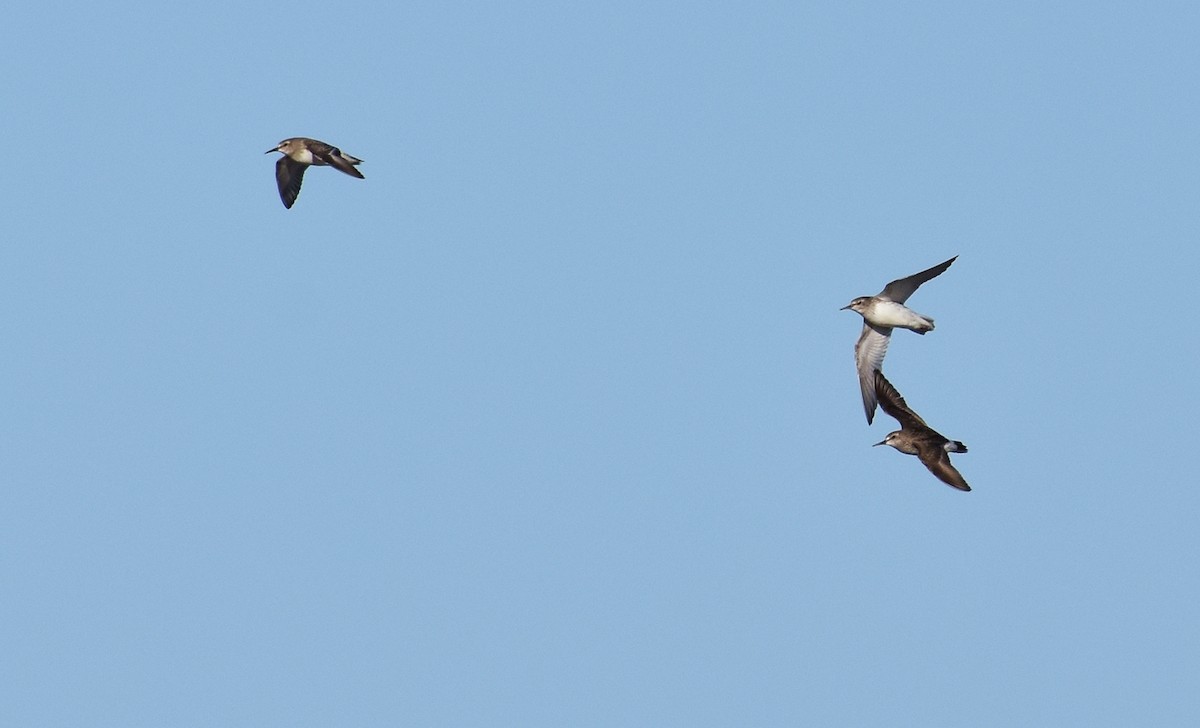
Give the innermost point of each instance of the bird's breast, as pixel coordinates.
(895, 315)
(303, 156)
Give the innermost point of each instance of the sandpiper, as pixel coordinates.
(299, 154)
(881, 313)
(917, 438)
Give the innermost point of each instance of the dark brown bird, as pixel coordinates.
(917, 438)
(300, 153)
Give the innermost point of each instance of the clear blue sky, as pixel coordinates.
(552, 420)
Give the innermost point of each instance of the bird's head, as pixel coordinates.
(889, 440)
(858, 304)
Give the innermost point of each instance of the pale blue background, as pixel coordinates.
(553, 420)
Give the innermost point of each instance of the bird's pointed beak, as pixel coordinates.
(276, 149)
(843, 308)
(881, 442)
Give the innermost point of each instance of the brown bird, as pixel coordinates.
(917, 438)
(299, 153)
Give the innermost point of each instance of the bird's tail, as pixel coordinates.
(955, 446)
(922, 325)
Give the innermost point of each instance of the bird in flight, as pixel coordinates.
(299, 153)
(917, 438)
(881, 313)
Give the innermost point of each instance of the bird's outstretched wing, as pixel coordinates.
(289, 174)
(334, 158)
(872, 346)
(900, 289)
(937, 460)
(894, 404)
